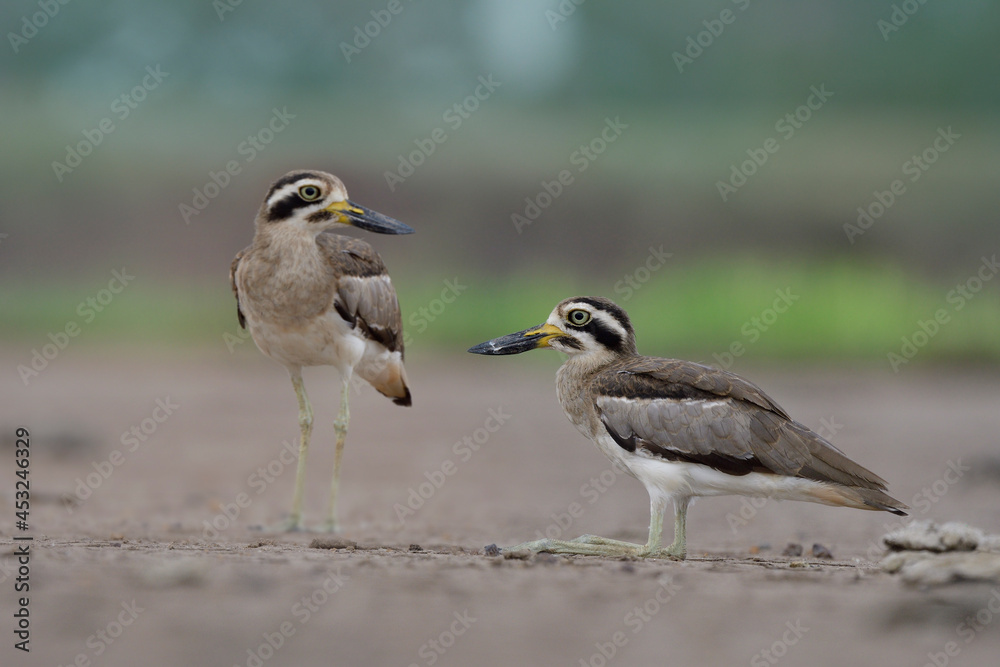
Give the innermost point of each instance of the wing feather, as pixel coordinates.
(683, 411)
(365, 296)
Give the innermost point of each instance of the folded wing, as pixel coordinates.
(682, 411)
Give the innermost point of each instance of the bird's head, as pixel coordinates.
(317, 201)
(582, 326)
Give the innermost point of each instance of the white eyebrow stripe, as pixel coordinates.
(611, 322)
(291, 188)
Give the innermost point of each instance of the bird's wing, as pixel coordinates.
(682, 411)
(232, 283)
(365, 296)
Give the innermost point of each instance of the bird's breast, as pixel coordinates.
(287, 286)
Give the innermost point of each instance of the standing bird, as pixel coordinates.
(681, 428)
(310, 298)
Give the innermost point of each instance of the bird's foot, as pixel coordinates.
(594, 545)
(585, 545)
(666, 554)
(674, 552)
(605, 541)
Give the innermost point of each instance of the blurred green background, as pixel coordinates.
(696, 90)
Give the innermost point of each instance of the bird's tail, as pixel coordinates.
(877, 500)
(858, 498)
(388, 376)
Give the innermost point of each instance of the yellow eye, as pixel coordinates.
(578, 317)
(309, 192)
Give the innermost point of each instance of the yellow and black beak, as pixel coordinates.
(361, 217)
(522, 341)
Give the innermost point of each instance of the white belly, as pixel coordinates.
(668, 480)
(327, 341)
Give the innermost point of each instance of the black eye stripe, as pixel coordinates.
(284, 207)
(604, 335)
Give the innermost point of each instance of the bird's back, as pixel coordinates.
(680, 411)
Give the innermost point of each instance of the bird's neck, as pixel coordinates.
(572, 387)
(283, 235)
(291, 248)
(588, 364)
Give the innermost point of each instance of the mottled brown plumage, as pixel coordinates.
(683, 411)
(365, 297)
(348, 278)
(683, 429)
(312, 298)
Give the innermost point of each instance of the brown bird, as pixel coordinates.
(312, 298)
(681, 428)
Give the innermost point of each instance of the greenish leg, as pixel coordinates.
(597, 539)
(678, 549)
(652, 547)
(593, 545)
(340, 427)
(585, 545)
(305, 426)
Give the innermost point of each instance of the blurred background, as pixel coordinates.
(714, 157)
(804, 192)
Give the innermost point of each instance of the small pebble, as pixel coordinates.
(793, 550)
(415, 547)
(491, 550)
(819, 551)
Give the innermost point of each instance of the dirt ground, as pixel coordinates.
(145, 567)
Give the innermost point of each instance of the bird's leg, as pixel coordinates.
(677, 549)
(652, 547)
(305, 427)
(340, 427)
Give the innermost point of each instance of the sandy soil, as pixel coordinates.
(148, 569)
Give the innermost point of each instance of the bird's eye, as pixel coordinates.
(309, 192)
(578, 317)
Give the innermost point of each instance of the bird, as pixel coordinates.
(683, 429)
(313, 298)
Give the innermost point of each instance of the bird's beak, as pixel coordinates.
(349, 213)
(522, 341)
